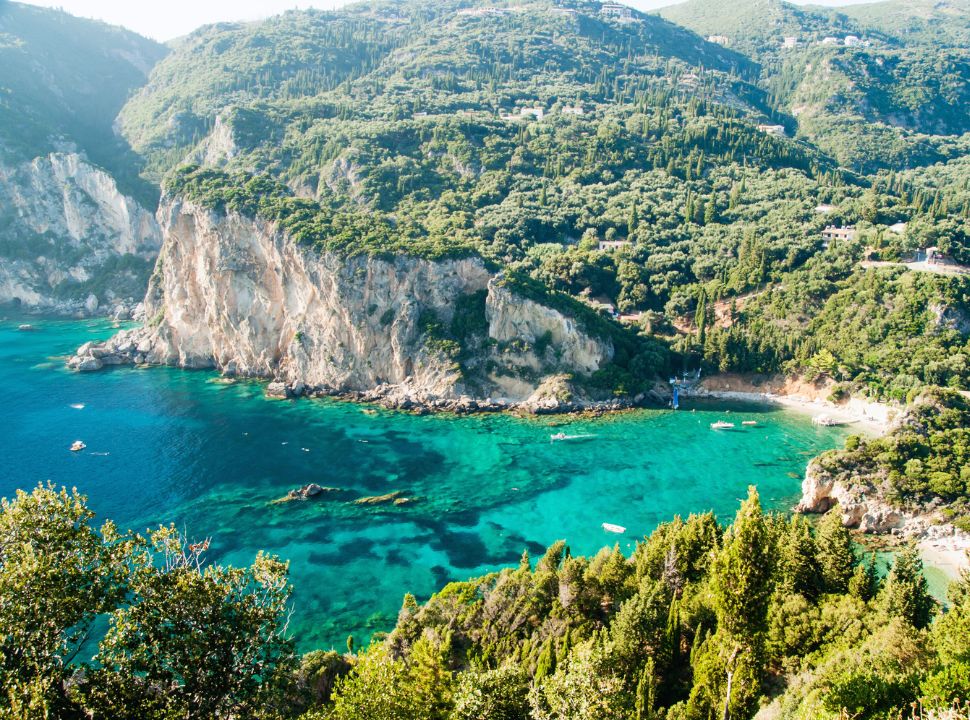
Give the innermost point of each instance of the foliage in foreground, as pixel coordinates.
(183, 639)
(701, 621)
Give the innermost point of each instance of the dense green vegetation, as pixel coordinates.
(700, 621)
(896, 98)
(392, 128)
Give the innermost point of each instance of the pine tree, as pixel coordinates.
(432, 682)
(546, 665)
(742, 573)
(800, 571)
(864, 583)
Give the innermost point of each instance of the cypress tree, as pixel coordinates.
(835, 554)
(742, 572)
(906, 594)
(646, 692)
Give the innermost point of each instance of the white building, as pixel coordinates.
(572, 110)
(615, 10)
(852, 41)
(537, 112)
(789, 42)
(718, 40)
(775, 130)
(608, 245)
(830, 41)
(838, 233)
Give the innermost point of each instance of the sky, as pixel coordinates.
(174, 18)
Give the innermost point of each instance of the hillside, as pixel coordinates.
(875, 86)
(944, 22)
(64, 81)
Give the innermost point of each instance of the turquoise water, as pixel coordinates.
(165, 445)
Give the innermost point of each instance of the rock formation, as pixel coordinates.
(237, 294)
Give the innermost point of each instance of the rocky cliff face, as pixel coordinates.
(70, 241)
(239, 295)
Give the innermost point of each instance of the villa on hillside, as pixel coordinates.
(610, 245)
(617, 11)
(898, 228)
(774, 130)
(572, 110)
(537, 112)
(789, 42)
(832, 233)
(483, 11)
(718, 40)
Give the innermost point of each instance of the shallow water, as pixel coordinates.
(165, 445)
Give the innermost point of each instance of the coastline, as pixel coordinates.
(942, 546)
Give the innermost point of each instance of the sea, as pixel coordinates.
(210, 455)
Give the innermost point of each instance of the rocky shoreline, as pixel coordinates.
(864, 509)
(133, 348)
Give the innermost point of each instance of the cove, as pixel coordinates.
(186, 447)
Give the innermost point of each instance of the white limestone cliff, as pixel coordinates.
(239, 295)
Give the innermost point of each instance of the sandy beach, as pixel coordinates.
(947, 554)
(871, 418)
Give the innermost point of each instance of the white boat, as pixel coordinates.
(721, 425)
(825, 421)
(563, 436)
(25, 327)
(77, 446)
(610, 527)
(750, 423)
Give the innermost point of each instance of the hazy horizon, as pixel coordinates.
(179, 17)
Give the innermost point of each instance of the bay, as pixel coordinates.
(186, 447)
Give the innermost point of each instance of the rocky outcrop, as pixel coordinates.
(858, 500)
(72, 241)
(239, 295)
(862, 503)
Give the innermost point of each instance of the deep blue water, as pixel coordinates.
(165, 445)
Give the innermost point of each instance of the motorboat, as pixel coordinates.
(610, 527)
(721, 425)
(561, 436)
(77, 446)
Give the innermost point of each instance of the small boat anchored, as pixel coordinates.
(610, 527)
(750, 423)
(77, 446)
(721, 425)
(825, 421)
(560, 436)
